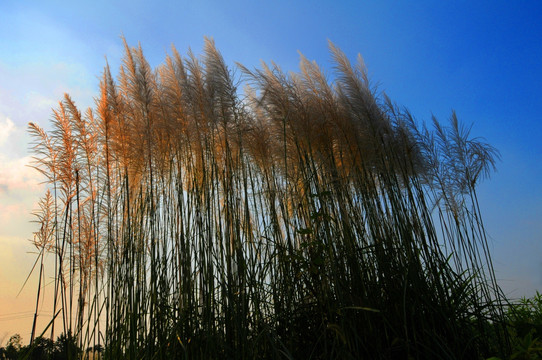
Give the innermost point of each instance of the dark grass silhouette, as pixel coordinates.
(306, 218)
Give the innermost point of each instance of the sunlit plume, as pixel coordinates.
(297, 216)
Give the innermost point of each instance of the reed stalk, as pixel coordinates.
(306, 218)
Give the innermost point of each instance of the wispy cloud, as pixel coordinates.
(37, 67)
(20, 189)
(6, 129)
(20, 185)
(17, 175)
(29, 91)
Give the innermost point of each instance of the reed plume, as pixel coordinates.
(305, 218)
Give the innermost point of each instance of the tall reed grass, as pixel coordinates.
(298, 218)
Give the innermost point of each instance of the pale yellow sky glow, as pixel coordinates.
(19, 190)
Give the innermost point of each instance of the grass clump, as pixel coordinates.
(303, 219)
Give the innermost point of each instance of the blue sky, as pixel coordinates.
(482, 59)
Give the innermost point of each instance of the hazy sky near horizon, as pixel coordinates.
(481, 58)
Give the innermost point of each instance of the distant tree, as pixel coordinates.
(96, 352)
(66, 347)
(13, 347)
(41, 348)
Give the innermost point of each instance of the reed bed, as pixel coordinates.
(299, 218)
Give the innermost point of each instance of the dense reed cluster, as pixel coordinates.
(296, 217)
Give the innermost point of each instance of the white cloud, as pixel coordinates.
(20, 185)
(20, 189)
(17, 175)
(13, 140)
(6, 128)
(40, 101)
(29, 90)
